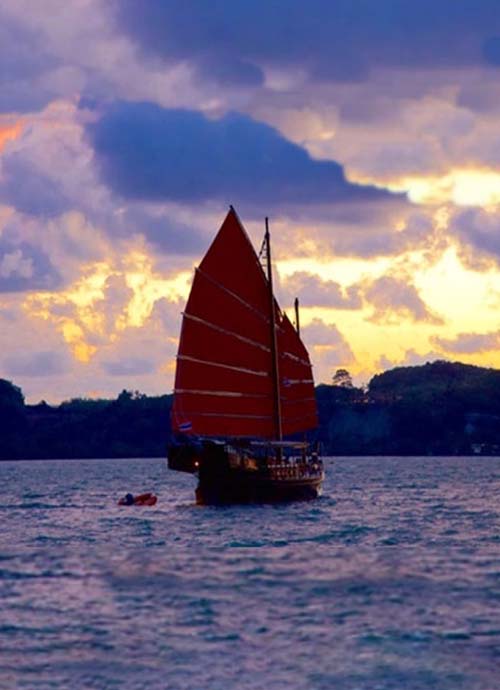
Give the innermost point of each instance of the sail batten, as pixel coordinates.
(224, 383)
(215, 327)
(226, 394)
(294, 358)
(294, 382)
(222, 365)
(232, 294)
(217, 307)
(230, 415)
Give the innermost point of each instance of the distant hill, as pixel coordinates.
(472, 384)
(440, 408)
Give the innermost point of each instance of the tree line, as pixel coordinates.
(440, 408)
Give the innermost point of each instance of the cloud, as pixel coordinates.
(322, 97)
(314, 292)
(491, 50)
(147, 152)
(340, 41)
(48, 177)
(414, 134)
(15, 264)
(469, 343)
(411, 358)
(327, 347)
(51, 50)
(92, 326)
(480, 230)
(131, 366)
(167, 314)
(10, 128)
(166, 233)
(400, 129)
(25, 267)
(48, 169)
(371, 231)
(385, 233)
(30, 190)
(23, 59)
(35, 364)
(394, 299)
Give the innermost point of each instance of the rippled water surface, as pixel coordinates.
(390, 581)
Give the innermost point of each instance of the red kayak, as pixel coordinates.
(139, 500)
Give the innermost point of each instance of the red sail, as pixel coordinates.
(224, 384)
(298, 401)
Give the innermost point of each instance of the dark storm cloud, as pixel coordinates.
(152, 153)
(24, 267)
(491, 50)
(333, 40)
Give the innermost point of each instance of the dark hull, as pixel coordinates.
(242, 487)
(241, 474)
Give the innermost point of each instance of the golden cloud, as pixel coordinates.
(460, 186)
(104, 301)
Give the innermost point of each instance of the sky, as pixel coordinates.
(366, 130)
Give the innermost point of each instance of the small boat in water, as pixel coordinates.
(243, 382)
(147, 499)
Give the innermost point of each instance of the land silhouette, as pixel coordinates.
(440, 408)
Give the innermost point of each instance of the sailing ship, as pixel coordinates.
(244, 392)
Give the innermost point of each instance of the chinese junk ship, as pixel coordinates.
(243, 383)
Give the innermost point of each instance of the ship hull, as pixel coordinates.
(242, 487)
(229, 475)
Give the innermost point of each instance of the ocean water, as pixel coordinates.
(390, 581)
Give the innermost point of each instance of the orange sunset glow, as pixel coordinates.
(9, 133)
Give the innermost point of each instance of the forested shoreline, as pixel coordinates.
(440, 408)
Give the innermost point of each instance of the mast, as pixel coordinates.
(274, 341)
(297, 322)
